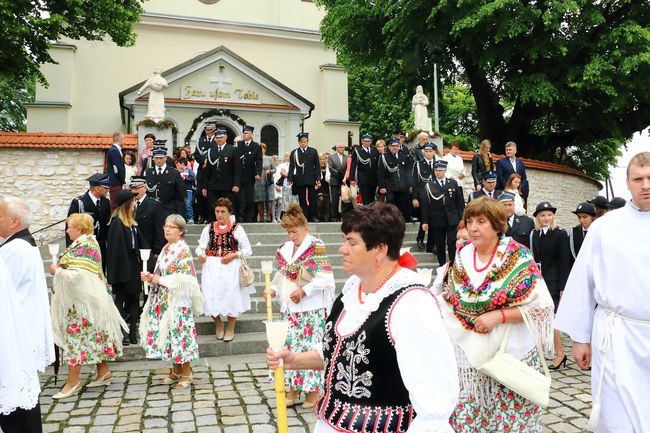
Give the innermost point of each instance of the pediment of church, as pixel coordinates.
(221, 78)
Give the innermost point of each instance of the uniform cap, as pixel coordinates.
(600, 201)
(137, 181)
(506, 196)
(441, 164)
(220, 132)
(545, 205)
(302, 135)
(617, 202)
(159, 151)
(585, 207)
(429, 145)
(248, 129)
(98, 179)
(366, 136)
(393, 141)
(123, 196)
(490, 176)
(210, 125)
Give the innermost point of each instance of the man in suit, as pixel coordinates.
(165, 184)
(204, 144)
(489, 187)
(441, 203)
(519, 227)
(586, 214)
(149, 216)
(509, 165)
(305, 175)
(363, 169)
(222, 175)
(116, 170)
(337, 164)
(250, 155)
(94, 202)
(394, 177)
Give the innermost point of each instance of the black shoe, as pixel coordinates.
(562, 363)
(420, 244)
(133, 339)
(125, 341)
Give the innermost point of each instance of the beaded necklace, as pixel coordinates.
(489, 262)
(381, 283)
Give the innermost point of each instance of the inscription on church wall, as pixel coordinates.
(195, 93)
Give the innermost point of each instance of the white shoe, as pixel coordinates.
(73, 391)
(102, 381)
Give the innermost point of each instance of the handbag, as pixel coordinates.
(246, 275)
(518, 376)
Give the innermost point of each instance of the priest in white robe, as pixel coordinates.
(32, 326)
(606, 310)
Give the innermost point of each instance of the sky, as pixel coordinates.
(640, 143)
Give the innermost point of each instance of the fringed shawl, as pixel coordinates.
(176, 271)
(79, 284)
(513, 281)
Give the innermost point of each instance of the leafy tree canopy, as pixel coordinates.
(565, 79)
(29, 27)
(14, 93)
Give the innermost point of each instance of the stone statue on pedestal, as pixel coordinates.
(156, 84)
(419, 106)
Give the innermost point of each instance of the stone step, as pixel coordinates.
(263, 228)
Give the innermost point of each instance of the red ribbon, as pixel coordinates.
(407, 260)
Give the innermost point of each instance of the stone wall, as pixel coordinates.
(48, 179)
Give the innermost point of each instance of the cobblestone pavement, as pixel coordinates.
(229, 395)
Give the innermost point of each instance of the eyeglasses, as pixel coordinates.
(168, 226)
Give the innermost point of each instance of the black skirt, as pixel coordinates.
(133, 284)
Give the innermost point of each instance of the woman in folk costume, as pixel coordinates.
(221, 246)
(86, 323)
(123, 262)
(305, 285)
(494, 282)
(388, 361)
(167, 329)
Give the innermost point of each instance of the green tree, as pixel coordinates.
(563, 78)
(14, 94)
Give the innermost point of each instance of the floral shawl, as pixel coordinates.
(313, 260)
(79, 283)
(513, 281)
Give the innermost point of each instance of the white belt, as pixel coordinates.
(604, 349)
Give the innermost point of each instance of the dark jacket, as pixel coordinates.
(576, 238)
(443, 206)
(223, 170)
(337, 170)
(481, 193)
(309, 173)
(505, 169)
(552, 251)
(101, 216)
(478, 168)
(115, 164)
(251, 161)
(394, 173)
(121, 263)
(364, 174)
(521, 228)
(168, 188)
(151, 218)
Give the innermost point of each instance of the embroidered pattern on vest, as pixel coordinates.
(350, 381)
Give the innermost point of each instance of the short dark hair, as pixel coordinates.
(182, 161)
(222, 202)
(377, 223)
(150, 135)
(454, 144)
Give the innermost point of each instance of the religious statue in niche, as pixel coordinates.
(419, 106)
(156, 84)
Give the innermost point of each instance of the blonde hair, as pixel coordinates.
(484, 152)
(83, 222)
(538, 224)
(293, 217)
(116, 136)
(493, 210)
(641, 159)
(126, 214)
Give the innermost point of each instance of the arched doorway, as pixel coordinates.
(231, 132)
(270, 136)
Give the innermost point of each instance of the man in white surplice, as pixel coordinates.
(19, 411)
(606, 310)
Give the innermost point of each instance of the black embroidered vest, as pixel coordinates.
(364, 388)
(220, 245)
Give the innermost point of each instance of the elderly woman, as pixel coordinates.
(305, 284)
(388, 361)
(494, 281)
(167, 329)
(85, 322)
(550, 247)
(221, 246)
(123, 262)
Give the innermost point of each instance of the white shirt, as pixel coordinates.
(93, 198)
(513, 161)
(425, 355)
(455, 166)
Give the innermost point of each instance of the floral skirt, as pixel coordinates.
(510, 412)
(84, 344)
(305, 330)
(182, 345)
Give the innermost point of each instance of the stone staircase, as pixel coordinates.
(249, 330)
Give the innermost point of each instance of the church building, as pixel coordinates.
(256, 62)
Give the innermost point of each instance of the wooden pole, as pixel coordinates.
(278, 374)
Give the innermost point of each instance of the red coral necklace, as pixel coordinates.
(381, 283)
(489, 262)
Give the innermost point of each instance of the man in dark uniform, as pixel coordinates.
(363, 169)
(250, 156)
(337, 165)
(394, 177)
(601, 205)
(222, 175)
(149, 216)
(519, 226)
(586, 214)
(94, 202)
(165, 184)
(442, 204)
(305, 175)
(489, 187)
(204, 144)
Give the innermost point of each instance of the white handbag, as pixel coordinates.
(518, 376)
